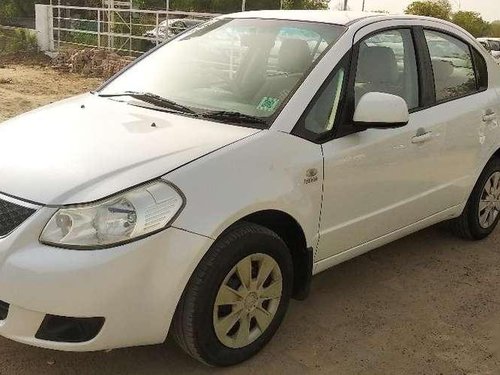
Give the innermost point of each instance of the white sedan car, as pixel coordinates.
(201, 188)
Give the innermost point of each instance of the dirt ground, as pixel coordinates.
(25, 87)
(426, 304)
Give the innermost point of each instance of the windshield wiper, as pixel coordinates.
(154, 99)
(236, 117)
(159, 101)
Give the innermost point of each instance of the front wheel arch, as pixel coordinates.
(290, 231)
(192, 323)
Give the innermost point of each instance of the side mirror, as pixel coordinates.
(382, 111)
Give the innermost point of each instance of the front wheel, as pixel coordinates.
(481, 214)
(236, 298)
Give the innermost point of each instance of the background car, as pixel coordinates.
(492, 45)
(175, 26)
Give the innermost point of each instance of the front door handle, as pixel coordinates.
(421, 138)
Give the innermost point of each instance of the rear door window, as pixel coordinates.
(452, 64)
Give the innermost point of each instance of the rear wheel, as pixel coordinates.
(236, 298)
(481, 214)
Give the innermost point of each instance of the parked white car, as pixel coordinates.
(492, 45)
(170, 28)
(198, 191)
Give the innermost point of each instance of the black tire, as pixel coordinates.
(467, 225)
(193, 326)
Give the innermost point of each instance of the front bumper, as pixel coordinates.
(134, 287)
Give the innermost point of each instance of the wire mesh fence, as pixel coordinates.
(130, 31)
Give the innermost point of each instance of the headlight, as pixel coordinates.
(122, 218)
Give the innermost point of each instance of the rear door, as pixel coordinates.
(466, 104)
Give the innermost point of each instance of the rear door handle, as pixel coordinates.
(427, 136)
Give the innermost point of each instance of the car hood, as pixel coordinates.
(86, 148)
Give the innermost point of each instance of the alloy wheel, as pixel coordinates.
(489, 204)
(247, 300)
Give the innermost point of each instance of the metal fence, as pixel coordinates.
(130, 31)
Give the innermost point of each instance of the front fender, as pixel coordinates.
(266, 171)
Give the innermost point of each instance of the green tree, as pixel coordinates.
(306, 4)
(25, 8)
(217, 6)
(18, 8)
(7, 10)
(495, 29)
(225, 6)
(431, 8)
(472, 22)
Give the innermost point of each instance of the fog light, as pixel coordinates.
(4, 310)
(64, 329)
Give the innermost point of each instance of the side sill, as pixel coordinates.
(327, 263)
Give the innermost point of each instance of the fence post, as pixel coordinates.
(44, 24)
(98, 28)
(157, 28)
(167, 19)
(58, 25)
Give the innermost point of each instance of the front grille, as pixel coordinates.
(11, 216)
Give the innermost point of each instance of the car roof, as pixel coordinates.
(191, 21)
(170, 20)
(489, 38)
(187, 21)
(325, 16)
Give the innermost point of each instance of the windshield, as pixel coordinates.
(244, 66)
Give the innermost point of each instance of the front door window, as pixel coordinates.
(387, 64)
